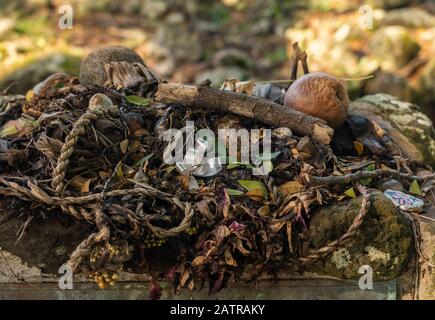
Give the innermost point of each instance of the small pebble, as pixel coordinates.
(392, 184)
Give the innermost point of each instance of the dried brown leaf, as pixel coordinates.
(123, 146)
(289, 236)
(199, 261)
(290, 187)
(229, 258)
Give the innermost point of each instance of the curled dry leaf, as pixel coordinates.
(81, 184)
(290, 187)
(229, 258)
(123, 146)
(199, 261)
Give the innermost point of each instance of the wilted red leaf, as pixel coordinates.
(235, 226)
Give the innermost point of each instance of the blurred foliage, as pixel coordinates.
(188, 40)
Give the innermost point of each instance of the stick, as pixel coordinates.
(248, 106)
(317, 181)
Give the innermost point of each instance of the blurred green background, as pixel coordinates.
(188, 41)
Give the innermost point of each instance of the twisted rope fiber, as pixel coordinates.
(350, 233)
(86, 246)
(67, 202)
(96, 110)
(92, 113)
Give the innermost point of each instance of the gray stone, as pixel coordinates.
(410, 129)
(92, 68)
(427, 282)
(392, 184)
(384, 242)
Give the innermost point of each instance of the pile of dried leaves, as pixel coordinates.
(96, 153)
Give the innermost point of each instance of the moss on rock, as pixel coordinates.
(404, 122)
(384, 242)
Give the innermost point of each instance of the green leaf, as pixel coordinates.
(371, 167)
(414, 188)
(232, 165)
(18, 128)
(139, 101)
(169, 169)
(141, 161)
(252, 185)
(350, 193)
(234, 192)
(367, 181)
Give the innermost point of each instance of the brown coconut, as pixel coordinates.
(320, 95)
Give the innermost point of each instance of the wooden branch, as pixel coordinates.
(298, 55)
(248, 106)
(351, 177)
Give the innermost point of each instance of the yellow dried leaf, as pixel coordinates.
(229, 258)
(141, 132)
(264, 211)
(256, 189)
(81, 184)
(350, 193)
(255, 194)
(383, 166)
(294, 152)
(276, 226)
(414, 188)
(29, 95)
(359, 147)
(104, 174)
(290, 187)
(119, 172)
(378, 130)
(123, 146)
(199, 261)
(240, 247)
